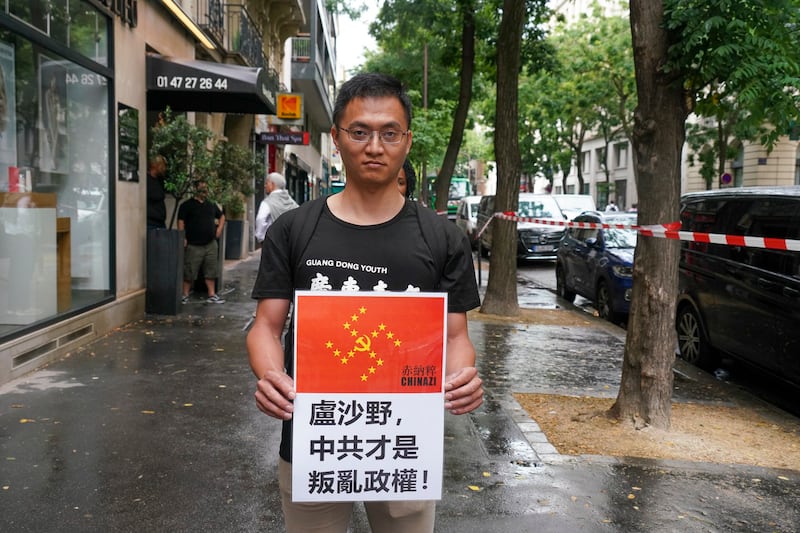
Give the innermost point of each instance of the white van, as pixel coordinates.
(573, 205)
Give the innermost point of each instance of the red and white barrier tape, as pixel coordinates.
(664, 231)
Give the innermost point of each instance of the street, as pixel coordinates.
(153, 428)
(537, 279)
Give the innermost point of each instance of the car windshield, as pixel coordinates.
(576, 203)
(545, 207)
(458, 189)
(620, 238)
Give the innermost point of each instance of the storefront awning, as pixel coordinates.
(192, 85)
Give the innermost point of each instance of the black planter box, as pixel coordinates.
(234, 233)
(164, 271)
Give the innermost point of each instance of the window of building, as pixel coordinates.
(55, 205)
(621, 155)
(600, 158)
(73, 23)
(738, 168)
(797, 166)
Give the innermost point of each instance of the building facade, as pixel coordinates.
(82, 82)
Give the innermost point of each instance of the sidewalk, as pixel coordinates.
(153, 428)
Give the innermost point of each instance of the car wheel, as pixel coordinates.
(603, 303)
(693, 344)
(561, 285)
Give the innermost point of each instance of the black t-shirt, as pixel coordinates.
(199, 219)
(392, 256)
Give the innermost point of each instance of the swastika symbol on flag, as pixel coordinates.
(363, 343)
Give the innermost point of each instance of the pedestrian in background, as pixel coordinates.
(276, 202)
(202, 221)
(367, 223)
(156, 195)
(407, 180)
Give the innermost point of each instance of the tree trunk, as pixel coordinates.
(501, 291)
(645, 392)
(462, 109)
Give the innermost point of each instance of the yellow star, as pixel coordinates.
(374, 334)
(353, 333)
(329, 344)
(372, 370)
(380, 362)
(351, 353)
(362, 310)
(363, 377)
(397, 342)
(354, 318)
(390, 335)
(382, 327)
(346, 325)
(372, 355)
(344, 360)
(337, 353)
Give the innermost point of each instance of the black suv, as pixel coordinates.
(742, 301)
(534, 241)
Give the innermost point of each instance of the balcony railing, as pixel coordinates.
(301, 49)
(210, 17)
(243, 36)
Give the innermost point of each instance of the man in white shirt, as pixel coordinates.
(275, 203)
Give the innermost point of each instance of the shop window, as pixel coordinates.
(54, 185)
(73, 23)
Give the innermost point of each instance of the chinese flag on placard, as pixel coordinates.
(369, 342)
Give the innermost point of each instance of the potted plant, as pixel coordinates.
(186, 148)
(234, 182)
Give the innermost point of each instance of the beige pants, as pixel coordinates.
(384, 517)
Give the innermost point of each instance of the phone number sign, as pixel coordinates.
(192, 82)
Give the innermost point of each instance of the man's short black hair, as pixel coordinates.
(371, 84)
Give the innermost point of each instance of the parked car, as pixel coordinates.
(467, 217)
(741, 301)
(598, 264)
(534, 241)
(573, 205)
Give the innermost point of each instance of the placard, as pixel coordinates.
(368, 418)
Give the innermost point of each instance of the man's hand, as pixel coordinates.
(274, 395)
(463, 391)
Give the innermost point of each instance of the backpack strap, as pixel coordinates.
(300, 231)
(434, 232)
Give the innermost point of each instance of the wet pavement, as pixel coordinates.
(153, 428)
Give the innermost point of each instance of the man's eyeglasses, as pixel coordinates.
(387, 136)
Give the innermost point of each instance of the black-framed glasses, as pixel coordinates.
(364, 135)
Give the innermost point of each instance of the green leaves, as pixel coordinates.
(193, 154)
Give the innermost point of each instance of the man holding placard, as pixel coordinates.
(381, 287)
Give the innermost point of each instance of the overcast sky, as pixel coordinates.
(354, 37)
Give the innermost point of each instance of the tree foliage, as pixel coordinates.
(743, 56)
(189, 153)
(238, 169)
(193, 153)
(586, 89)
